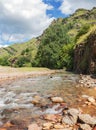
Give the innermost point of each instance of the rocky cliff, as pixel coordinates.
(85, 54)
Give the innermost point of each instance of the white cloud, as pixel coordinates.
(69, 6)
(23, 19)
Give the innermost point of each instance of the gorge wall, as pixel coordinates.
(85, 55)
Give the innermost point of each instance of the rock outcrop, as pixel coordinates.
(85, 54)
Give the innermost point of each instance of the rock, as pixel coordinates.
(3, 129)
(58, 126)
(36, 100)
(63, 129)
(8, 124)
(73, 112)
(85, 127)
(91, 99)
(86, 118)
(34, 127)
(71, 117)
(57, 99)
(52, 117)
(94, 128)
(68, 120)
(48, 126)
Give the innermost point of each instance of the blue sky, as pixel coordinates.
(55, 12)
(21, 20)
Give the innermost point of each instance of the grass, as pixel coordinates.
(28, 69)
(83, 38)
(8, 69)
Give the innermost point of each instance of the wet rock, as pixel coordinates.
(52, 117)
(3, 129)
(8, 124)
(94, 128)
(59, 126)
(34, 127)
(91, 99)
(71, 117)
(36, 100)
(85, 127)
(47, 126)
(57, 99)
(86, 118)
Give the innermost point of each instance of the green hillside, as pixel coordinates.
(55, 47)
(16, 53)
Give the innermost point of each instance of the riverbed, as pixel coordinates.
(17, 97)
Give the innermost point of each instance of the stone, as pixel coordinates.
(86, 118)
(57, 99)
(36, 100)
(94, 128)
(52, 117)
(58, 126)
(71, 117)
(3, 129)
(48, 126)
(91, 99)
(85, 127)
(34, 127)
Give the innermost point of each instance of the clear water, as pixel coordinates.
(16, 96)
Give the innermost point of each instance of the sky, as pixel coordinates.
(21, 20)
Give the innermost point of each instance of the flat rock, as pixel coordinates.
(86, 118)
(34, 127)
(59, 126)
(52, 117)
(48, 125)
(85, 127)
(57, 99)
(91, 99)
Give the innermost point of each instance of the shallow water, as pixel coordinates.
(16, 96)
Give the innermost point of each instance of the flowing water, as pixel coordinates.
(16, 96)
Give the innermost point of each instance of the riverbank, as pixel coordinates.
(9, 73)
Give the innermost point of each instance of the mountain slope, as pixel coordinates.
(55, 47)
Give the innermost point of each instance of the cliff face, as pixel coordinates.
(85, 55)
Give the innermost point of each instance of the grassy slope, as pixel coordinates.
(17, 48)
(80, 18)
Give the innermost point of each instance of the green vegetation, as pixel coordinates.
(52, 44)
(55, 47)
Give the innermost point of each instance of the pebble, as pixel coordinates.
(57, 99)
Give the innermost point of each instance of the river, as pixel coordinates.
(16, 96)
